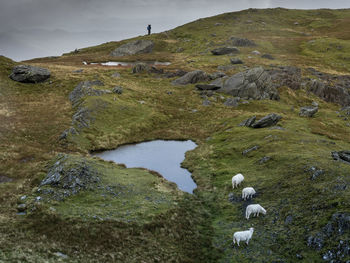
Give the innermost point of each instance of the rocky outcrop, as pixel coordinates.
(85, 88)
(252, 84)
(343, 156)
(241, 42)
(236, 61)
(192, 77)
(336, 229)
(68, 175)
(29, 74)
(224, 51)
(133, 48)
(288, 76)
(267, 121)
(331, 92)
(308, 111)
(248, 122)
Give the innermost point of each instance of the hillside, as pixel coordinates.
(290, 59)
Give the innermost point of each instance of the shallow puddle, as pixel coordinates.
(164, 157)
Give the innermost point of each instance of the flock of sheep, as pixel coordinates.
(254, 209)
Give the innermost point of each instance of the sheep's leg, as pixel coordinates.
(247, 241)
(238, 242)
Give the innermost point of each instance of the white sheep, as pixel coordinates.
(254, 209)
(243, 236)
(237, 179)
(248, 193)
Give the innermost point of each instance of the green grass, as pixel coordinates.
(95, 226)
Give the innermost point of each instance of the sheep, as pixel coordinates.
(255, 209)
(248, 192)
(237, 179)
(243, 236)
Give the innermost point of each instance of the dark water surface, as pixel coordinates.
(165, 157)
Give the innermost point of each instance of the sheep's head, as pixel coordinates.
(251, 229)
(263, 211)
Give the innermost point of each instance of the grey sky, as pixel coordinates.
(33, 28)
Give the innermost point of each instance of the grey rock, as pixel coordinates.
(85, 88)
(68, 174)
(241, 42)
(343, 156)
(316, 241)
(5, 179)
(226, 67)
(217, 75)
(269, 120)
(224, 51)
(254, 148)
(177, 73)
(314, 172)
(78, 71)
(248, 122)
(140, 68)
(116, 75)
(192, 77)
(21, 207)
(206, 102)
(231, 102)
(60, 255)
(330, 92)
(265, 159)
(236, 61)
(288, 76)
(133, 48)
(268, 56)
(117, 90)
(66, 133)
(29, 74)
(308, 111)
(254, 83)
(256, 52)
(288, 220)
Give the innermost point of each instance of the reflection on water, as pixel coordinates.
(165, 157)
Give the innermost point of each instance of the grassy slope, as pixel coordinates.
(33, 116)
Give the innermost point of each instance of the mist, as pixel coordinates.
(37, 28)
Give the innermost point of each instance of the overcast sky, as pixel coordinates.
(36, 28)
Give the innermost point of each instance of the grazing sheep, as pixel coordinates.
(254, 209)
(248, 193)
(243, 236)
(237, 179)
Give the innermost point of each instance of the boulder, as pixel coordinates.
(248, 122)
(224, 51)
(256, 52)
(343, 156)
(268, 56)
(117, 90)
(133, 48)
(235, 61)
(267, 121)
(192, 77)
(241, 42)
(85, 88)
(308, 111)
(29, 74)
(251, 84)
(231, 102)
(140, 68)
(217, 75)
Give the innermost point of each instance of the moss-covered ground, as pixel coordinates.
(175, 227)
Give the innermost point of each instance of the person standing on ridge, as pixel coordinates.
(149, 29)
